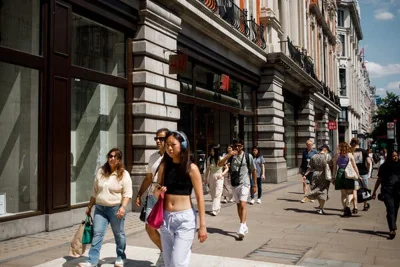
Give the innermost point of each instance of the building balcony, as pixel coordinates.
(238, 19)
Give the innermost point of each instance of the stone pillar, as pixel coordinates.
(294, 22)
(270, 125)
(306, 124)
(154, 98)
(324, 131)
(284, 18)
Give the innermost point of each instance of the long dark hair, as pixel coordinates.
(216, 154)
(120, 168)
(185, 152)
(258, 152)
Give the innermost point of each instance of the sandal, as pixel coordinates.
(355, 211)
(392, 235)
(366, 207)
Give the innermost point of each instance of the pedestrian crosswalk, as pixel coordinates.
(146, 257)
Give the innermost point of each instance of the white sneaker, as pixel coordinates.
(252, 202)
(224, 201)
(231, 200)
(119, 262)
(259, 201)
(243, 230)
(214, 213)
(86, 264)
(160, 261)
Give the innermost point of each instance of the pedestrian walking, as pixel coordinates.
(364, 164)
(306, 157)
(260, 170)
(148, 184)
(215, 179)
(346, 186)
(389, 178)
(227, 191)
(178, 177)
(241, 165)
(319, 182)
(112, 192)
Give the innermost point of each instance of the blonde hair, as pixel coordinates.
(344, 148)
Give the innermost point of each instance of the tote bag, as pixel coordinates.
(363, 194)
(76, 246)
(328, 173)
(156, 216)
(87, 235)
(349, 172)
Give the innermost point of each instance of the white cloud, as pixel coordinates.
(376, 70)
(393, 85)
(383, 14)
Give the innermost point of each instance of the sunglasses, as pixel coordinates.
(237, 146)
(161, 139)
(112, 156)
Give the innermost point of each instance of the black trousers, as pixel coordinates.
(392, 207)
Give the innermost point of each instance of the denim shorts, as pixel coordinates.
(151, 201)
(365, 180)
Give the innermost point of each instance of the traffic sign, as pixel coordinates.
(390, 125)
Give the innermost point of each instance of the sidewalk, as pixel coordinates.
(281, 231)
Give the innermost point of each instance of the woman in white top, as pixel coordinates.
(112, 191)
(215, 178)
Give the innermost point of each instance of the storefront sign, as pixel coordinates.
(178, 64)
(332, 125)
(225, 82)
(390, 133)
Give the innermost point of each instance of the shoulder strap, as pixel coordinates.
(247, 160)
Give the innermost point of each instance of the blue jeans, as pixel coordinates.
(259, 188)
(102, 217)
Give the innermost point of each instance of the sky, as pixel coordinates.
(380, 23)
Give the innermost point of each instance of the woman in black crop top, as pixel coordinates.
(179, 176)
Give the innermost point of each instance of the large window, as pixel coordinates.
(97, 125)
(290, 134)
(19, 106)
(340, 18)
(342, 82)
(343, 45)
(97, 47)
(20, 25)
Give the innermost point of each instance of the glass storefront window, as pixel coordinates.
(185, 80)
(19, 112)
(97, 125)
(20, 25)
(97, 47)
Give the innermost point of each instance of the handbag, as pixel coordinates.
(142, 216)
(87, 235)
(76, 248)
(363, 193)
(156, 216)
(349, 172)
(328, 173)
(235, 175)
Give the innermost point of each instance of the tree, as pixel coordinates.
(387, 112)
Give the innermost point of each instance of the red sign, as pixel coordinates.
(225, 82)
(390, 125)
(332, 125)
(178, 64)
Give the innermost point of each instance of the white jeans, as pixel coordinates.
(216, 187)
(177, 235)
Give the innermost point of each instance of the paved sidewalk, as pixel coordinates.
(281, 230)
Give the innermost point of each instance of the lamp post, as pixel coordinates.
(395, 136)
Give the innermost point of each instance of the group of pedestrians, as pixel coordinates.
(320, 170)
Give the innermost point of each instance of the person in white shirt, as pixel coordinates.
(112, 192)
(149, 180)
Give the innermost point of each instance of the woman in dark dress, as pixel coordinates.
(389, 178)
(346, 186)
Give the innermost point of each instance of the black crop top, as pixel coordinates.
(175, 183)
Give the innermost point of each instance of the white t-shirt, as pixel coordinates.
(152, 166)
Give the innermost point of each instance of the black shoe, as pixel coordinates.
(355, 211)
(392, 235)
(366, 207)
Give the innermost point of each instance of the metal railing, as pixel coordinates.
(301, 59)
(237, 17)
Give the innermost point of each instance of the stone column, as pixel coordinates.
(284, 18)
(305, 123)
(324, 131)
(294, 22)
(270, 125)
(154, 98)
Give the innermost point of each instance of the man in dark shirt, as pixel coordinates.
(363, 162)
(307, 155)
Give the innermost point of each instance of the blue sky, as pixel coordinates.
(380, 22)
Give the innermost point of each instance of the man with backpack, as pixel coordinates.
(241, 166)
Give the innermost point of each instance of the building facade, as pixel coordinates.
(80, 77)
(351, 75)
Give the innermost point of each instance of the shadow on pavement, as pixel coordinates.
(289, 200)
(311, 212)
(368, 232)
(212, 230)
(296, 193)
(73, 262)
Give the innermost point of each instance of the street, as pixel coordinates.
(281, 231)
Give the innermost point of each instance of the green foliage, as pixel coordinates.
(387, 112)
